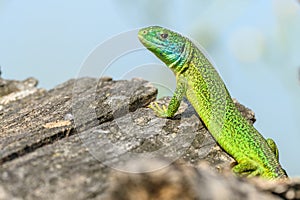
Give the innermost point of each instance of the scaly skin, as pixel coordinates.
(198, 80)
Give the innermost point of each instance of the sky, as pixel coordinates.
(254, 45)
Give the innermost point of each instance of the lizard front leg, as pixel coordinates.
(174, 104)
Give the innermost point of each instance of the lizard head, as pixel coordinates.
(167, 45)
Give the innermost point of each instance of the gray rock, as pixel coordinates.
(96, 139)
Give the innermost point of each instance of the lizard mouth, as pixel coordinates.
(149, 44)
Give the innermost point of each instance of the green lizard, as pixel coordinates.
(199, 81)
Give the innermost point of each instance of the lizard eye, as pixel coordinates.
(164, 35)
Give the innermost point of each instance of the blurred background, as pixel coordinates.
(254, 45)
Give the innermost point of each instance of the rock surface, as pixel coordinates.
(96, 139)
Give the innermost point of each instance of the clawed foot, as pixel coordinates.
(160, 111)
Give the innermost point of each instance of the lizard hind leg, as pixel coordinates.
(273, 147)
(246, 168)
